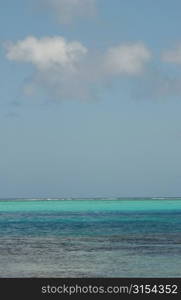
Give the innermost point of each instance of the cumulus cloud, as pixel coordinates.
(67, 70)
(67, 10)
(126, 59)
(173, 56)
(46, 53)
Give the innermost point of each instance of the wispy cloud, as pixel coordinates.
(68, 10)
(168, 84)
(12, 115)
(173, 55)
(127, 59)
(68, 70)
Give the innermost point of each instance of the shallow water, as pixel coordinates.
(90, 238)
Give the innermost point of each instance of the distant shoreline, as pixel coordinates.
(92, 199)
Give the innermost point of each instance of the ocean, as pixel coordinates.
(90, 237)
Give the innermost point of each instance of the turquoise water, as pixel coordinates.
(90, 238)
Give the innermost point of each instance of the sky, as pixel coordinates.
(90, 98)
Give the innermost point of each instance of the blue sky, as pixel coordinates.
(90, 98)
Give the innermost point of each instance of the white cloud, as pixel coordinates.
(127, 59)
(67, 70)
(173, 56)
(67, 10)
(46, 53)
